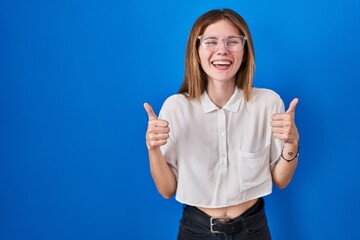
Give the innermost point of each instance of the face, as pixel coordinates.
(221, 65)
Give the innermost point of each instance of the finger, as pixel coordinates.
(292, 106)
(161, 129)
(158, 123)
(280, 117)
(280, 130)
(158, 137)
(150, 111)
(280, 124)
(158, 130)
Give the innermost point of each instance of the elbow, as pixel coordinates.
(167, 194)
(282, 179)
(166, 188)
(281, 184)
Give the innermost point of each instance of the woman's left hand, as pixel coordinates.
(283, 124)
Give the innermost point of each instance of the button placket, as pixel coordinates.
(222, 137)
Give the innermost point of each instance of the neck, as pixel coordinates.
(220, 93)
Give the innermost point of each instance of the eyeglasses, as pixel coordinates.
(213, 42)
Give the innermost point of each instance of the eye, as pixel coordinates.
(233, 41)
(210, 42)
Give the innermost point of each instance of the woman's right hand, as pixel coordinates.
(158, 130)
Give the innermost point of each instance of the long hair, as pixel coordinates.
(195, 79)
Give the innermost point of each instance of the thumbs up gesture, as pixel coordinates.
(283, 124)
(158, 130)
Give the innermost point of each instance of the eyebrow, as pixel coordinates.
(216, 37)
(211, 37)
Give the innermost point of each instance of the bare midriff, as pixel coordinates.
(228, 212)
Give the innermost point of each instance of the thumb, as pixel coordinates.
(150, 111)
(292, 106)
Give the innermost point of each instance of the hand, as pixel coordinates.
(158, 130)
(283, 124)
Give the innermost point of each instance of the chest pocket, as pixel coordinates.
(253, 168)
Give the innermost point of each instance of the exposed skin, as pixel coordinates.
(221, 86)
(221, 79)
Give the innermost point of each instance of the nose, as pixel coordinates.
(222, 48)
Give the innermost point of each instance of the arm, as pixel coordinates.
(156, 135)
(284, 128)
(162, 174)
(283, 170)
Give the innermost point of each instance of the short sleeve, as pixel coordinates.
(169, 149)
(276, 144)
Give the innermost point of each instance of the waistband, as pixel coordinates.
(255, 215)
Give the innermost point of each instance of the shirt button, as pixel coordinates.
(222, 134)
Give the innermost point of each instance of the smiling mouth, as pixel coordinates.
(221, 63)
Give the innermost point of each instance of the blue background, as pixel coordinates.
(73, 79)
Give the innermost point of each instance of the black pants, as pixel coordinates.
(251, 225)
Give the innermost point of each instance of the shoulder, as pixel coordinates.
(175, 100)
(266, 97)
(264, 94)
(174, 104)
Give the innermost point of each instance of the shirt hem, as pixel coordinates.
(190, 203)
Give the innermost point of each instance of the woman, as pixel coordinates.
(220, 144)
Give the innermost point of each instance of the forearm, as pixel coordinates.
(162, 174)
(284, 170)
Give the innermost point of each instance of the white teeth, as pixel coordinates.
(221, 63)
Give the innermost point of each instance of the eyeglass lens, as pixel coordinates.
(233, 43)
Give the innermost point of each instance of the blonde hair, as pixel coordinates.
(195, 79)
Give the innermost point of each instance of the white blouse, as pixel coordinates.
(222, 157)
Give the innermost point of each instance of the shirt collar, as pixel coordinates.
(232, 105)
